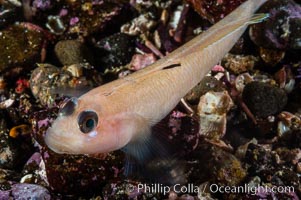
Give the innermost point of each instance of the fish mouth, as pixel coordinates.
(57, 143)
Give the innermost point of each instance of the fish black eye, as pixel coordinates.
(87, 121)
(68, 107)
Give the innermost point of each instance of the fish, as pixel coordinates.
(122, 113)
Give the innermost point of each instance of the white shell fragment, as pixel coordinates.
(55, 24)
(241, 80)
(139, 25)
(290, 86)
(76, 70)
(212, 109)
(287, 123)
(175, 17)
(7, 103)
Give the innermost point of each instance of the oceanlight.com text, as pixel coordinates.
(247, 189)
(212, 188)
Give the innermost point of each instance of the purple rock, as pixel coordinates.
(42, 4)
(63, 12)
(29, 191)
(74, 21)
(35, 158)
(4, 195)
(25, 191)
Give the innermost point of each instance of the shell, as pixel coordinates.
(239, 63)
(48, 82)
(285, 79)
(287, 123)
(55, 25)
(76, 70)
(241, 80)
(139, 25)
(212, 109)
(212, 125)
(6, 104)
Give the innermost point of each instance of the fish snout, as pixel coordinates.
(51, 141)
(56, 142)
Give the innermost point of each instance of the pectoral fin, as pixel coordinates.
(150, 157)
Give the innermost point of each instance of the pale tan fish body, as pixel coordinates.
(125, 110)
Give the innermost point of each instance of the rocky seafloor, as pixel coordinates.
(239, 127)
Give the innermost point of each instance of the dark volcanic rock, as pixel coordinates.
(263, 99)
(81, 175)
(115, 50)
(215, 164)
(259, 158)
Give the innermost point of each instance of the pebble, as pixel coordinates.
(259, 158)
(216, 165)
(71, 52)
(208, 83)
(48, 82)
(41, 81)
(20, 46)
(271, 56)
(140, 61)
(239, 63)
(264, 99)
(115, 50)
